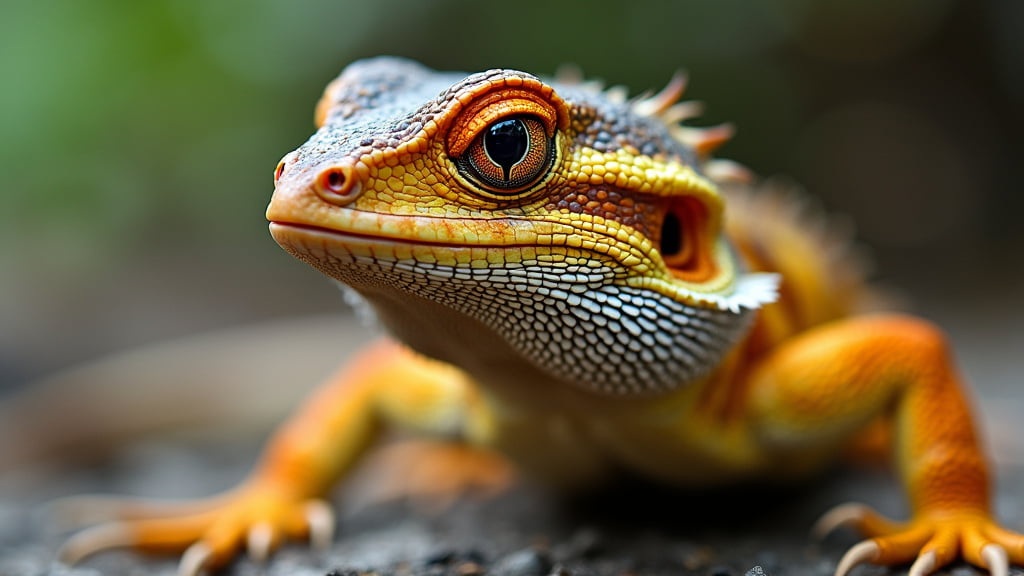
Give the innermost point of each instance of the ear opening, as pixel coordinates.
(687, 241)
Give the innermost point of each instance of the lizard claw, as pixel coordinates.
(855, 515)
(863, 553)
(931, 540)
(320, 517)
(92, 540)
(261, 541)
(924, 565)
(842, 515)
(256, 518)
(995, 558)
(195, 559)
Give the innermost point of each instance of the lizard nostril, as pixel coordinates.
(283, 164)
(335, 180)
(337, 185)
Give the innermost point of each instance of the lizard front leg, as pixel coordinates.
(820, 387)
(281, 499)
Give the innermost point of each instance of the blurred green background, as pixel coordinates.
(137, 139)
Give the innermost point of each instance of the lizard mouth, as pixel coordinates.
(282, 230)
(361, 233)
(372, 240)
(332, 241)
(287, 231)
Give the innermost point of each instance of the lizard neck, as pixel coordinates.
(435, 331)
(665, 350)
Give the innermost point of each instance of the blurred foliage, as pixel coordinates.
(138, 138)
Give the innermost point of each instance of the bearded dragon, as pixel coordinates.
(567, 279)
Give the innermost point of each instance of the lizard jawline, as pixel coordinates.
(574, 321)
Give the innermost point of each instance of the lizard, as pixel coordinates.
(570, 278)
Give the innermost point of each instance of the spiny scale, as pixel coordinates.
(665, 106)
(661, 102)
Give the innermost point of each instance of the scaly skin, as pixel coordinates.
(570, 290)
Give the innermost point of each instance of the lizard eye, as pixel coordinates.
(508, 155)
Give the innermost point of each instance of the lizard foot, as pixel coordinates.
(930, 541)
(209, 532)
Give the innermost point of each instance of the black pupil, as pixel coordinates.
(506, 143)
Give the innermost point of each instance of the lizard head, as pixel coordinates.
(563, 224)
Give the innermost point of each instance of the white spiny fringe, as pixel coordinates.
(752, 292)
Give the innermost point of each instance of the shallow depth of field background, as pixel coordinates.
(137, 139)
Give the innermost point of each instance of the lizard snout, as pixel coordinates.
(303, 191)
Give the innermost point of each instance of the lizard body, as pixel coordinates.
(572, 288)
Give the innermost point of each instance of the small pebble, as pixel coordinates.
(756, 571)
(526, 562)
(768, 561)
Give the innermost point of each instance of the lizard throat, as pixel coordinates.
(574, 319)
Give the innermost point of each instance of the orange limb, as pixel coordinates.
(819, 388)
(281, 500)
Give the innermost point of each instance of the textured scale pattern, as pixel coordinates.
(577, 250)
(567, 315)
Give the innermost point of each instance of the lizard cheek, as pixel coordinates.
(338, 185)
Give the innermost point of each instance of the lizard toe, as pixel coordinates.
(96, 539)
(254, 519)
(897, 548)
(931, 540)
(146, 535)
(1011, 542)
(855, 515)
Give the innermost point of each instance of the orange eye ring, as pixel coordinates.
(503, 139)
(488, 108)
